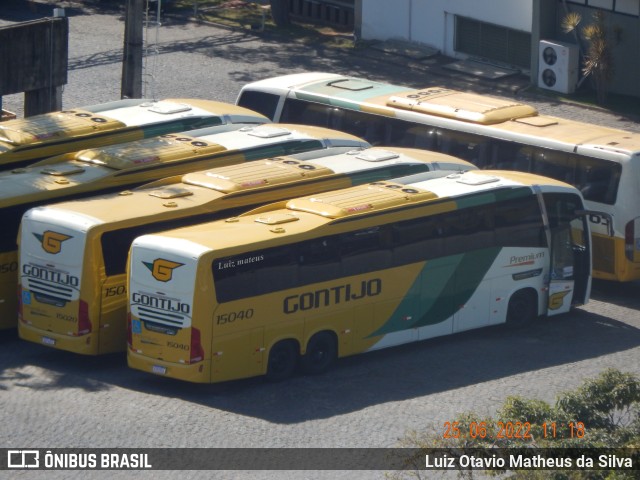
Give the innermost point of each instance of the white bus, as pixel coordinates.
(603, 163)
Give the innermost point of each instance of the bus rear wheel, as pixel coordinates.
(321, 353)
(283, 359)
(522, 309)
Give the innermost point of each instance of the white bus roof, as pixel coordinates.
(386, 194)
(116, 115)
(92, 166)
(304, 214)
(458, 111)
(195, 190)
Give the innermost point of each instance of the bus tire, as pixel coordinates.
(523, 308)
(283, 359)
(322, 351)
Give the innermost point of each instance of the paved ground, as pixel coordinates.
(53, 399)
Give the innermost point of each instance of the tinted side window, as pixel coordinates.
(298, 111)
(255, 273)
(518, 223)
(374, 129)
(264, 103)
(364, 251)
(468, 229)
(417, 240)
(318, 259)
(598, 179)
(561, 208)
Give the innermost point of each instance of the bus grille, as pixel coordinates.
(161, 317)
(50, 293)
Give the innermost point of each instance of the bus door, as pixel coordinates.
(562, 269)
(570, 268)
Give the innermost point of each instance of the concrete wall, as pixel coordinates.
(431, 22)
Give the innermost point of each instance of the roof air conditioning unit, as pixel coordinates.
(558, 66)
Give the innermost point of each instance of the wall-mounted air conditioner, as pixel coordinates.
(558, 66)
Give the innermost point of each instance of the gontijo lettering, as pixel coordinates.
(332, 296)
(168, 304)
(53, 276)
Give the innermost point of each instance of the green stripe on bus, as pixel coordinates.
(440, 296)
(362, 95)
(470, 269)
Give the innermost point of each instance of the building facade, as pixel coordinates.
(509, 33)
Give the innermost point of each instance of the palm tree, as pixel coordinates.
(598, 58)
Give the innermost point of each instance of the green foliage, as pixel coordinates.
(604, 412)
(604, 402)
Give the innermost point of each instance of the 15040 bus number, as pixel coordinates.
(233, 316)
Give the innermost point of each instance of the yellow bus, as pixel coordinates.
(85, 310)
(23, 141)
(305, 281)
(602, 162)
(122, 166)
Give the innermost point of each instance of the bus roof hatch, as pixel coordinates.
(361, 199)
(255, 174)
(469, 107)
(351, 84)
(377, 155)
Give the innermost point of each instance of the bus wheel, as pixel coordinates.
(321, 353)
(283, 359)
(522, 309)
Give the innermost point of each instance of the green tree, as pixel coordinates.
(602, 413)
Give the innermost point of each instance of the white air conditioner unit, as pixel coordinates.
(558, 66)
